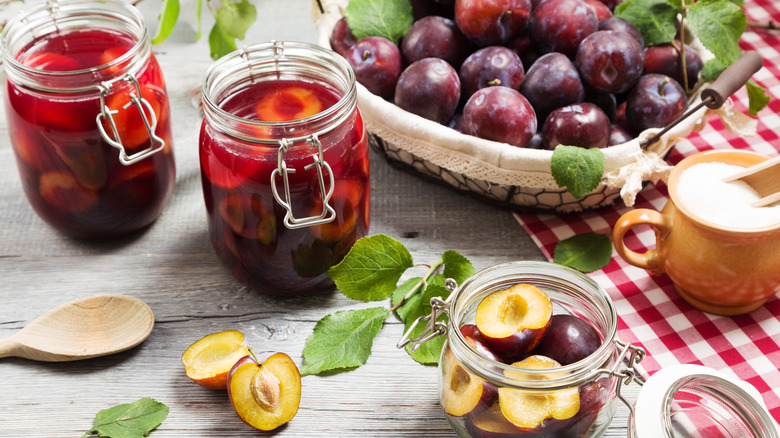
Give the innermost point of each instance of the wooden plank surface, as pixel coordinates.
(172, 267)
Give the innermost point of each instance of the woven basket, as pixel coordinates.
(516, 178)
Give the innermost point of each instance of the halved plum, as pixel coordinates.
(345, 201)
(462, 392)
(265, 389)
(513, 320)
(491, 423)
(209, 360)
(538, 411)
(477, 341)
(289, 103)
(129, 122)
(62, 190)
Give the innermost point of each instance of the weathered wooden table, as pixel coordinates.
(172, 267)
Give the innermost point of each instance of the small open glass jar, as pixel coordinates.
(88, 116)
(594, 382)
(284, 164)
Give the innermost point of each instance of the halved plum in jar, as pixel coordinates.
(477, 341)
(491, 423)
(538, 411)
(346, 198)
(462, 392)
(513, 320)
(61, 189)
(251, 218)
(288, 103)
(208, 360)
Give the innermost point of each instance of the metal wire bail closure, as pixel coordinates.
(433, 328)
(156, 144)
(328, 213)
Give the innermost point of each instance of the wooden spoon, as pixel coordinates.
(84, 328)
(764, 178)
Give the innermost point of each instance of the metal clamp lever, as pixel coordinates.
(156, 144)
(328, 213)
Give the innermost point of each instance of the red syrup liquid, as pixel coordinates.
(246, 223)
(72, 177)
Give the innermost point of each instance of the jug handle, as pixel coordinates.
(642, 216)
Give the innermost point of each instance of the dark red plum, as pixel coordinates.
(429, 88)
(665, 59)
(500, 114)
(581, 124)
(477, 340)
(560, 25)
(437, 37)
(341, 37)
(377, 64)
(618, 135)
(655, 101)
(620, 25)
(609, 61)
(552, 82)
(569, 339)
(491, 66)
(492, 22)
(602, 11)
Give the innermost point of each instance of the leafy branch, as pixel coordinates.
(371, 272)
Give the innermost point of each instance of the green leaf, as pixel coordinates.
(578, 169)
(654, 18)
(130, 420)
(168, 17)
(372, 268)
(711, 70)
(220, 43)
(231, 21)
(342, 340)
(456, 266)
(385, 18)
(758, 97)
(198, 13)
(718, 24)
(585, 252)
(412, 303)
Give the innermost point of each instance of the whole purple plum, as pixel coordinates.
(609, 61)
(500, 114)
(429, 88)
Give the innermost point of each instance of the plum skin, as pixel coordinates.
(552, 82)
(569, 339)
(500, 114)
(429, 88)
(560, 25)
(435, 36)
(491, 66)
(654, 102)
(610, 61)
(377, 64)
(492, 22)
(580, 124)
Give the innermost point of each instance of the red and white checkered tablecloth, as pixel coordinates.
(650, 312)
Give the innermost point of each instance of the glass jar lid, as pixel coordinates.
(693, 401)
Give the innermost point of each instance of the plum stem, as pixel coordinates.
(420, 285)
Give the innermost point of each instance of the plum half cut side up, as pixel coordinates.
(513, 320)
(462, 392)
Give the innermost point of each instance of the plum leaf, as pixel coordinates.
(168, 18)
(231, 21)
(385, 18)
(718, 24)
(342, 340)
(129, 420)
(578, 169)
(757, 97)
(456, 266)
(405, 305)
(654, 18)
(585, 252)
(372, 268)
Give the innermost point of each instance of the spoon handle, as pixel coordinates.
(9, 347)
